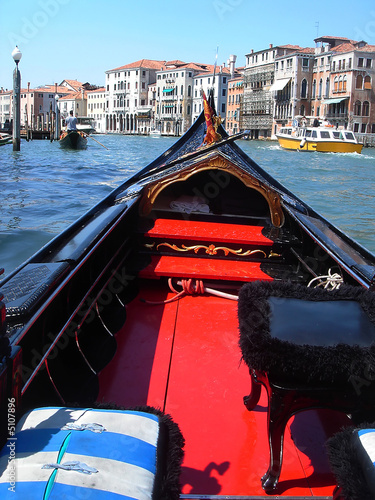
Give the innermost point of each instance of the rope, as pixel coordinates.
(331, 281)
(191, 287)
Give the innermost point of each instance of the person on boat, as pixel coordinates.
(71, 122)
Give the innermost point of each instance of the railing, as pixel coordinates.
(368, 140)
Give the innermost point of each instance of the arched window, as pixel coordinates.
(320, 88)
(189, 91)
(304, 89)
(367, 82)
(344, 83)
(302, 110)
(359, 82)
(366, 108)
(335, 84)
(314, 89)
(327, 88)
(340, 84)
(357, 108)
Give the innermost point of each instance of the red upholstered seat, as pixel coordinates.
(204, 231)
(203, 268)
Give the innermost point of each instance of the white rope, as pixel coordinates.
(331, 281)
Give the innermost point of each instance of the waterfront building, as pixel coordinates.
(291, 90)
(39, 104)
(349, 100)
(73, 101)
(96, 102)
(127, 105)
(217, 81)
(235, 94)
(5, 108)
(257, 103)
(331, 83)
(174, 96)
(162, 95)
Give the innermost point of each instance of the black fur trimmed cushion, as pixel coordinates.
(350, 464)
(321, 336)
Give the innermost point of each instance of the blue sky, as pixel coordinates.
(81, 39)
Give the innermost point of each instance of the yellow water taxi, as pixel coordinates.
(325, 139)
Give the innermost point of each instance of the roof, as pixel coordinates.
(142, 63)
(74, 95)
(350, 47)
(100, 89)
(74, 84)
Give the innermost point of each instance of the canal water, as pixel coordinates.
(43, 188)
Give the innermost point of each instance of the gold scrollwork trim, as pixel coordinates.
(211, 249)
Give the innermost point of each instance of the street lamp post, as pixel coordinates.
(16, 54)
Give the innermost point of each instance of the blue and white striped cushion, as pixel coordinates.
(125, 455)
(366, 454)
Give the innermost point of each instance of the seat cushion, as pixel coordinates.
(351, 455)
(301, 334)
(92, 453)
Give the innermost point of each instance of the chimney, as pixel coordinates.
(232, 65)
(271, 45)
(28, 86)
(55, 88)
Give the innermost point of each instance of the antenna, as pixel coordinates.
(317, 28)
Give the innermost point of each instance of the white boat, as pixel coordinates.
(5, 139)
(321, 137)
(155, 133)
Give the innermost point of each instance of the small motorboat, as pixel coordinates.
(5, 139)
(197, 281)
(73, 139)
(155, 133)
(325, 139)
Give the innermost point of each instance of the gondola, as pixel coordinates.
(73, 139)
(203, 291)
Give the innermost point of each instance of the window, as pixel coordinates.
(363, 128)
(304, 89)
(314, 89)
(344, 84)
(359, 82)
(224, 79)
(350, 63)
(368, 63)
(327, 88)
(349, 136)
(223, 107)
(224, 92)
(367, 82)
(357, 108)
(335, 84)
(324, 134)
(366, 108)
(320, 88)
(305, 63)
(360, 62)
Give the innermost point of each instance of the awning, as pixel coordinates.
(335, 101)
(168, 90)
(280, 84)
